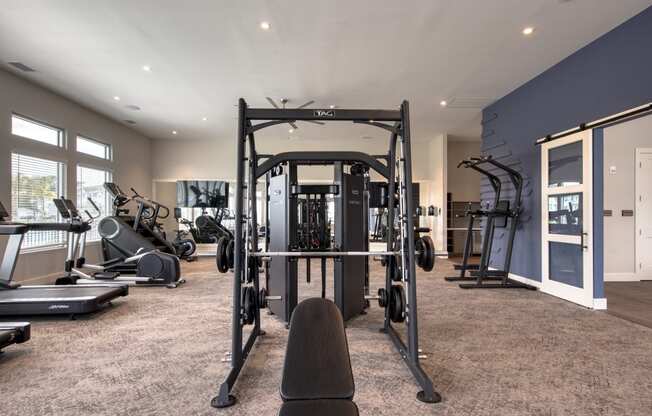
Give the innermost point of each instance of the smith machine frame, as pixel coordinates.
(251, 166)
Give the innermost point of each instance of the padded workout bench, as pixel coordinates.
(317, 375)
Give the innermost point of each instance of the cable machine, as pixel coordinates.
(395, 167)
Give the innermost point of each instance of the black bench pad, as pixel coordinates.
(319, 408)
(317, 363)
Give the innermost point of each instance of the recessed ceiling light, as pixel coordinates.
(291, 131)
(265, 25)
(116, 98)
(443, 103)
(528, 31)
(132, 107)
(204, 118)
(331, 106)
(147, 68)
(174, 132)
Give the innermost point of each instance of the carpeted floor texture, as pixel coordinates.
(159, 351)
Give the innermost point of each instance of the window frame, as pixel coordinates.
(107, 146)
(108, 201)
(62, 142)
(62, 172)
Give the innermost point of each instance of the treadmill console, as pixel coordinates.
(72, 208)
(61, 207)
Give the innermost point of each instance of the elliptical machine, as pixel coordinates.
(145, 223)
(153, 268)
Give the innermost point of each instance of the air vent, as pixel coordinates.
(132, 107)
(129, 121)
(21, 67)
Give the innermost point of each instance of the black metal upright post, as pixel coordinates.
(428, 394)
(391, 199)
(252, 225)
(224, 397)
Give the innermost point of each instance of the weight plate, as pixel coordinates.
(397, 304)
(220, 255)
(248, 305)
(429, 253)
(262, 298)
(420, 257)
(395, 268)
(230, 254)
(382, 297)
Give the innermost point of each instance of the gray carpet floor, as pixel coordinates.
(158, 352)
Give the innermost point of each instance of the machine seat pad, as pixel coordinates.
(319, 408)
(317, 363)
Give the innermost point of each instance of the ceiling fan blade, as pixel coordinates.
(272, 102)
(321, 123)
(306, 104)
(294, 126)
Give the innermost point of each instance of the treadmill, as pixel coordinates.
(45, 299)
(13, 333)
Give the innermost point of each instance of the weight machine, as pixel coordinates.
(395, 167)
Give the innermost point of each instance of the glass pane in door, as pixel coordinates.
(565, 214)
(566, 263)
(565, 165)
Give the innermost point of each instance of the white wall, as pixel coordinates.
(463, 184)
(431, 166)
(215, 159)
(620, 143)
(131, 152)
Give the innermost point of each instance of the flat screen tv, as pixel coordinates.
(202, 194)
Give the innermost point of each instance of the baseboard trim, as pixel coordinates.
(600, 304)
(622, 277)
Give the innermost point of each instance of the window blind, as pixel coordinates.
(34, 183)
(90, 183)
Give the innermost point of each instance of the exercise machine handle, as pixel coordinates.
(94, 205)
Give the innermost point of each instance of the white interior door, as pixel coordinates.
(567, 244)
(644, 213)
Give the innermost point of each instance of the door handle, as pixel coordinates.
(582, 240)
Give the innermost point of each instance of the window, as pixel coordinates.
(34, 183)
(30, 129)
(93, 148)
(90, 184)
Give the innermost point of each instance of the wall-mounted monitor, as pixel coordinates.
(202, 194)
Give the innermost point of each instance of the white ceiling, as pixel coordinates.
(364, 53)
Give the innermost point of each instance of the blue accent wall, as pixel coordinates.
(610, 75)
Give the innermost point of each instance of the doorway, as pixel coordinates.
(627, 174)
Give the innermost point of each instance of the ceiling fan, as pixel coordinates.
(284, 101)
